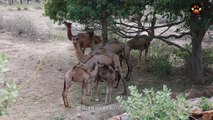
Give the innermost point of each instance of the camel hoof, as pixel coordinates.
(67, 106)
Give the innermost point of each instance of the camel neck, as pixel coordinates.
(79, 53)
(69, 33)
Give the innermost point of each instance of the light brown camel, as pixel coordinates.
(108, 74)
(122, 50)
(87, 40)
(79, 74)
(142, 42)
(103, 56)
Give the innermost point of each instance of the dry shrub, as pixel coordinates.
(19, 24)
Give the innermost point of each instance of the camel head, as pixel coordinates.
(98, 39)
(67, 24)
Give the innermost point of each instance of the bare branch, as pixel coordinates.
(172, 35)
(176, 45)
(165, 30)
(171, 24)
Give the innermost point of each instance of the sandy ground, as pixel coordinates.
(41, 99)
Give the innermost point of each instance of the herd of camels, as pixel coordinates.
(103, 63)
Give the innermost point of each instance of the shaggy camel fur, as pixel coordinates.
(78, 74)
(142, 42)
(87, 40)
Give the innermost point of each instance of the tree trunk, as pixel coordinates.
(104, 25)
(21, 1)
(197, 66)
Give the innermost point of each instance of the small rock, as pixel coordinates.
(207, 115)
(78, 115)
(92, 113)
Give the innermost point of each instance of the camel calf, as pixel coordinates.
(108, 74)
(78, 74)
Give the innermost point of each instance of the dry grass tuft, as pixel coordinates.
(18, 24)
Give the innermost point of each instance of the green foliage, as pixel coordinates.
(151, 105)
(56, 9)
(18, 8)
(207, 56)
(91, 11)
(9, 92)
(211, 27)
(160, 61)
(162, 66)
(205, 104)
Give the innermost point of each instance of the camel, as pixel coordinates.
(108, 74)
(121, 50)
(142, 42)
(79, 74)
(87, 40)
(103, 56)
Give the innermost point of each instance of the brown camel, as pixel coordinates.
(142, 42)
(101, 55)
(108, 74)
(87, 40)
(79, 74)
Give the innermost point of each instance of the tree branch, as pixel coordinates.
(171, 24)
(176, 45)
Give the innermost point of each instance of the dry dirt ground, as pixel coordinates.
(41, 99)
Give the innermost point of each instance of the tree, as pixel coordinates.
(176, 13)
(127, 18)
(196, 24)
(86, 12)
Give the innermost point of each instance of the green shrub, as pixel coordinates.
(211, 27)
(205, 104)
(18, 8)
(207, 57)
(154, 105)
(161, 66)
(160, 56)
(9, 91)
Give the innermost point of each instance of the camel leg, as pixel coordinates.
(83, 49)
(107, 93)
(95, 88)
(110, 91)
(125, 91)
(127, 77)
(83, 94)
(123, 81)
(64, 96)
(139, 60)
(146, 51)
(65, 92)
(118, 78)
